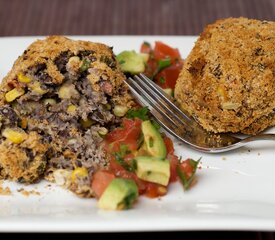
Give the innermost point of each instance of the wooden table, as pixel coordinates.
(135, 17)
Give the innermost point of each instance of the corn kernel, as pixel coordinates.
(162, 190)
(67, 91)
(49, 101)
(14, 135)
(221, 91)
(13, 94)
(102, 131)
(71, 108)
(79, 172)
(87, 123)
(120, 110)
(36, 87)
(23, 78)
(24, 123)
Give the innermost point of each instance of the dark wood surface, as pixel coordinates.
(105, 17)
(135, 17)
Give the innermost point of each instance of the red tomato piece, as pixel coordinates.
(169, 145)
(154, 190)
(100, 181)
(174, 161)
(151, 68)
(145, 48)
(168, 76)
(130, 175)
(127, 135)
(162, 51)
(187, 168)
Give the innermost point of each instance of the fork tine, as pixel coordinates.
(164, 120)
(153, 104)
(165, 106)
(188, 132)
(159, 91)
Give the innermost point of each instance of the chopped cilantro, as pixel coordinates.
(185, 180)
(141, 113)
(147, 44)
(162, 80)
(86, 63)
(122, 163)
(124, 150)
(163, 63)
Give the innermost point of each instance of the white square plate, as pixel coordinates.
(235, 191)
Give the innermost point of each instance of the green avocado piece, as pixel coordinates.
(131, 62)
(153, 140)
(120, 194)
(153, 169)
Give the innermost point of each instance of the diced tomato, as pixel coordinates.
(162, 51)
(100, 181)
(145, 48)
(114, 165)
(127, 135)
(154, 190)
(151, 67)
(187, 168)
(174, 161)
(168, 76)
(130, 175)
(169, 145)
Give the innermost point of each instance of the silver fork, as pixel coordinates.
(180, 124)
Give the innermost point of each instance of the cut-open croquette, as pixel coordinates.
(63, 93)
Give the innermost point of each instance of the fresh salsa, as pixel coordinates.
(139, 153)
(142, 158)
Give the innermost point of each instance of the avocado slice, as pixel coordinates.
(153, 140)
(120, 194)
(153, 169)
(131, 62)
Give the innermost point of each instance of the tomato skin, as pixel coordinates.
(100, 181)
(127, 135)
(167, 77)
(151, 67)
(169, 145)
(162, 51)
(187, 168)
(174, 161)
(145, 48)
(154, 190)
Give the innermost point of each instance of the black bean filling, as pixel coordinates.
(75, 132)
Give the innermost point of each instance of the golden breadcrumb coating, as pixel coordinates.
(228, 80)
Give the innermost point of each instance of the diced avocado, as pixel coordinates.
(169, 91)
(153, 140)
(152, 169)
(131, 62)
(145, 57)
(120, 194)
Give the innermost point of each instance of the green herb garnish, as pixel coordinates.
(185, 180)
(141, 113)
(162, 80)
(147, 44)
(86, 63)
(163, 63)
(124, 150)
